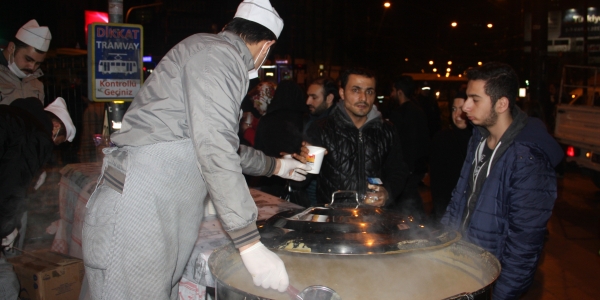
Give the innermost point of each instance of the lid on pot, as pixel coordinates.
(358, 229)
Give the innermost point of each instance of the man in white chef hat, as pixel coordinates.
(29, 133)
(20, 63)
(63, 128)
(27, 128)
(178, 147)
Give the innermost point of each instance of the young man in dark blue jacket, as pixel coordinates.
(507, 186)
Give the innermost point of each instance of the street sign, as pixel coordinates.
(114, 61)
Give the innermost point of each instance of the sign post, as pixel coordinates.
(114, 61)
(115, 68)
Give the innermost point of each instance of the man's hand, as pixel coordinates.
(301, 157)
(7, 241)
(290, 168)
(303, 152)
(378, 197)
(266, 268)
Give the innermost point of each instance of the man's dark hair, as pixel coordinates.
(501, 80)
(406, 84)
(19, 45)
(355, 71)
(329, 87)
(251, 32)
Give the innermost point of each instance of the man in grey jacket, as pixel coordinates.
(177, 146)
(20, 63)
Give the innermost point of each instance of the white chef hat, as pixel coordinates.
(261, 12)
(59, 108)
(35, 36)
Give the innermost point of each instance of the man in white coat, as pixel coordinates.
(20, 63)
(177, 147)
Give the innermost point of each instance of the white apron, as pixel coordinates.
(142, 221)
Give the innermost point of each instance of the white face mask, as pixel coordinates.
(56, 135)
(14, 68)
(254, 72)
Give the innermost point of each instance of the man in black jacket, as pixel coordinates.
(411, 123)
(360, 144)
(28, 133)
(322, 97)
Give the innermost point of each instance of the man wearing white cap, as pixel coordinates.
(178, 147)
(20, 63)
(28, 134)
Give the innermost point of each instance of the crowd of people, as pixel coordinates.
(492, 171)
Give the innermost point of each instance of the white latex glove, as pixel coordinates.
(290, 168)
(7, 242)
(266, 267)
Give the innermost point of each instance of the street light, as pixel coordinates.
(431, 62)
(449, 62)
(490, 25)
(479, 63)
(139, 6)
(434, 70)
(453, 24)
(386, 5)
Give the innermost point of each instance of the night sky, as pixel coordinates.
(333, 32)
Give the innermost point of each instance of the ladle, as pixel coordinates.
(313, 292)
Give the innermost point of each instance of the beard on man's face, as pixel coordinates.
(491, 119)
(320, 109)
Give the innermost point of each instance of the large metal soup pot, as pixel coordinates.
(362, 252)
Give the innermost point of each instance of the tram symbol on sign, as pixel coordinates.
(117, 65)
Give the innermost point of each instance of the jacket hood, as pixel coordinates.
(526, 129)
(519, 121)
(531, 134)
(373, 115)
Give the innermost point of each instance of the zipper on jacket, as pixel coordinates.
(489, 163)
(464, 225)
(362, 176)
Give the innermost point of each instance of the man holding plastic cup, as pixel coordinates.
(361, 146)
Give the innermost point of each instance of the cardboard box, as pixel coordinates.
(47, 275)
